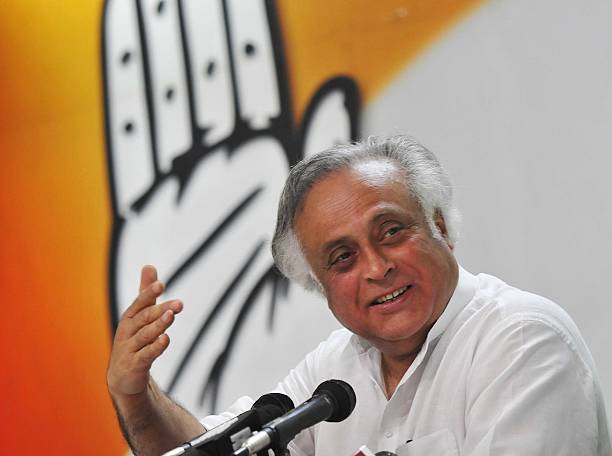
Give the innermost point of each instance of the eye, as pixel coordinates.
(340, 258)
(392, 231)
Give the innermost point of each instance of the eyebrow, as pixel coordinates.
(385, 211)
(331, 245)
(388, 210)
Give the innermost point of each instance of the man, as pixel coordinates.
(442, 361)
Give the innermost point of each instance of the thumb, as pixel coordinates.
(332, 116)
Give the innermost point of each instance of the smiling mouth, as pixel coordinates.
(391, 296)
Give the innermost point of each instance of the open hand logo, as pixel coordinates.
(200, 137)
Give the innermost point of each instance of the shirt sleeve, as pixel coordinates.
(240, 406)
(530, 393)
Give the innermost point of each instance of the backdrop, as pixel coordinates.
(161, 132)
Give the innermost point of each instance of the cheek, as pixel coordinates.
(424, 254)
(341, 291)
(342, 286)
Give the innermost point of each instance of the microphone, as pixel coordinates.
(227, 437)
(332, 401)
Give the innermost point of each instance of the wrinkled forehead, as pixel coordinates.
(373, 173)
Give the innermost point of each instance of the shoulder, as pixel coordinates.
(497, 302)
(322, 363)
(511, 319)
(525, 366)
(340, 347)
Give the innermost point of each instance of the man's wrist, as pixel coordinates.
(138, 408)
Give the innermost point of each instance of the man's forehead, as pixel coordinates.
(372, 187)
(377, 173)
(374, 174)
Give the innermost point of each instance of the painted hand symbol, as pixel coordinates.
(200, 138)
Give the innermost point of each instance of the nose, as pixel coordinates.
(377, 266)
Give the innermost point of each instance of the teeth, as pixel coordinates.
(390, 296)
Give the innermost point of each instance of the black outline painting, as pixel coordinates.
(279, 128)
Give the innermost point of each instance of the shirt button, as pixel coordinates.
(388, 434)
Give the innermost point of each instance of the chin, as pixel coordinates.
(404, 335)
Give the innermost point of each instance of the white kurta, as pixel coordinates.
(502, 372)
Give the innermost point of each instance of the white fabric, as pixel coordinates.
(502, 372)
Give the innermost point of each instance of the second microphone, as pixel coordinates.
(332, 401)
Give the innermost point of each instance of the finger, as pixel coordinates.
(146, 298)
(148, 275)
(127, 124)
(152, 351)
(149, 333)
(254, 62)
(150, 314)
(331, 117)
(168, 80)
(211, 80)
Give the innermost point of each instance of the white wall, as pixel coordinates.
(517, 103)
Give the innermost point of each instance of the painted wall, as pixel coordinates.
(160, 132)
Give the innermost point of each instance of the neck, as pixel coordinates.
(394, 368)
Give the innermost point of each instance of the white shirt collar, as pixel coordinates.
(464, 292)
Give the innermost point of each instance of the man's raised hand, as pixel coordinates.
(151, 422)
(140, 337)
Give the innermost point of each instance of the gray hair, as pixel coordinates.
(425, 179)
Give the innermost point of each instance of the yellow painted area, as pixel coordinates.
(368, 40)
(50, 53)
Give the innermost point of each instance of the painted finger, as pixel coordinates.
(253, 56)
(149, 333)
(224, 190)
(332, 116)
(211, 78)
(131, 160)
(167, 80)
(145, 299)
(148, 275)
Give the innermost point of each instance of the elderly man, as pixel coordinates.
(442, 362)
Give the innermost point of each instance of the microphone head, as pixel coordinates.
(272, 405)
(342, 396)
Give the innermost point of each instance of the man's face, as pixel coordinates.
(385, 276)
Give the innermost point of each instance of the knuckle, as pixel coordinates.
(152, 331)
(145, 355)
(124, 324)
(123, 332)
(146, 336)
(149, 353)
(144, 317)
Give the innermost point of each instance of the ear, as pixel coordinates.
(441, 225)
